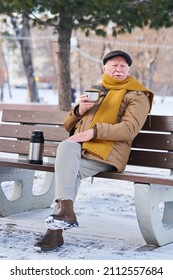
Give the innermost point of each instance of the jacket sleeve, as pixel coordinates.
(71, 119)
(132, 115)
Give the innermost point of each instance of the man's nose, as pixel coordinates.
(118, 68)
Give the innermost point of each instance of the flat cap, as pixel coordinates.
(112, 54)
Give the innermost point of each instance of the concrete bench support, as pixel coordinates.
(22, 197)
(154, 209)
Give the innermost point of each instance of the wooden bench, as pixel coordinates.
(152, 154)
(15, 131)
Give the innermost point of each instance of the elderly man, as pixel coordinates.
(103, 132)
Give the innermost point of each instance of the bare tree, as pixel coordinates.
(24, 38)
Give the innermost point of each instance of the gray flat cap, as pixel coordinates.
(112, 54)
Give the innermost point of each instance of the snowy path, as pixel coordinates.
(103, 233)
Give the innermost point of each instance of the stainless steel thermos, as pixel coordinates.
(36, 147)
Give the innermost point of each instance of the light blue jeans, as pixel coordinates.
(71, 167)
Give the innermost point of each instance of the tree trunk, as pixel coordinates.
(1, 73)
(63, 65)
(7, 74)
(2, 92)
(25, 45)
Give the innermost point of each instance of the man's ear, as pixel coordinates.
(103, 68)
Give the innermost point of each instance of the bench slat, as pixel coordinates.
(151, 159)
(159, 123)
(137, 177)
(37, 117)
(22, 147)
(24, 131)
(25, 165)
(154, 141)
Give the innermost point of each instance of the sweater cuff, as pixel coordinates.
(76, 111)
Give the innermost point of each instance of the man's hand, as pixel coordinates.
(82, 136)
(84, 104)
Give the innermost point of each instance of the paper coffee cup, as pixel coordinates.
(92, 95)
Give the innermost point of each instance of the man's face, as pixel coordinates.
(117, 68)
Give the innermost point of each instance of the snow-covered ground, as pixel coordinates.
(106, 214)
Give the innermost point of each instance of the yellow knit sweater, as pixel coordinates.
(108, 110)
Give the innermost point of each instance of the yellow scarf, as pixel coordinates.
(108, 111)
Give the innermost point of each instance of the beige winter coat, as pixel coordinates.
(132, 114)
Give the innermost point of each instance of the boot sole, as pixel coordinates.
(40, 249)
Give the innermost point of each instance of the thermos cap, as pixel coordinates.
(37, 136)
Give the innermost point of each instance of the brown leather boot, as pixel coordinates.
(50, 241)
(65, 217)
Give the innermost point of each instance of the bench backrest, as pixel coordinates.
(18, 125)
(153, 146)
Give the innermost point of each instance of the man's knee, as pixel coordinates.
(68, 145)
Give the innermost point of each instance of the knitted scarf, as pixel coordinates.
(108, 111)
